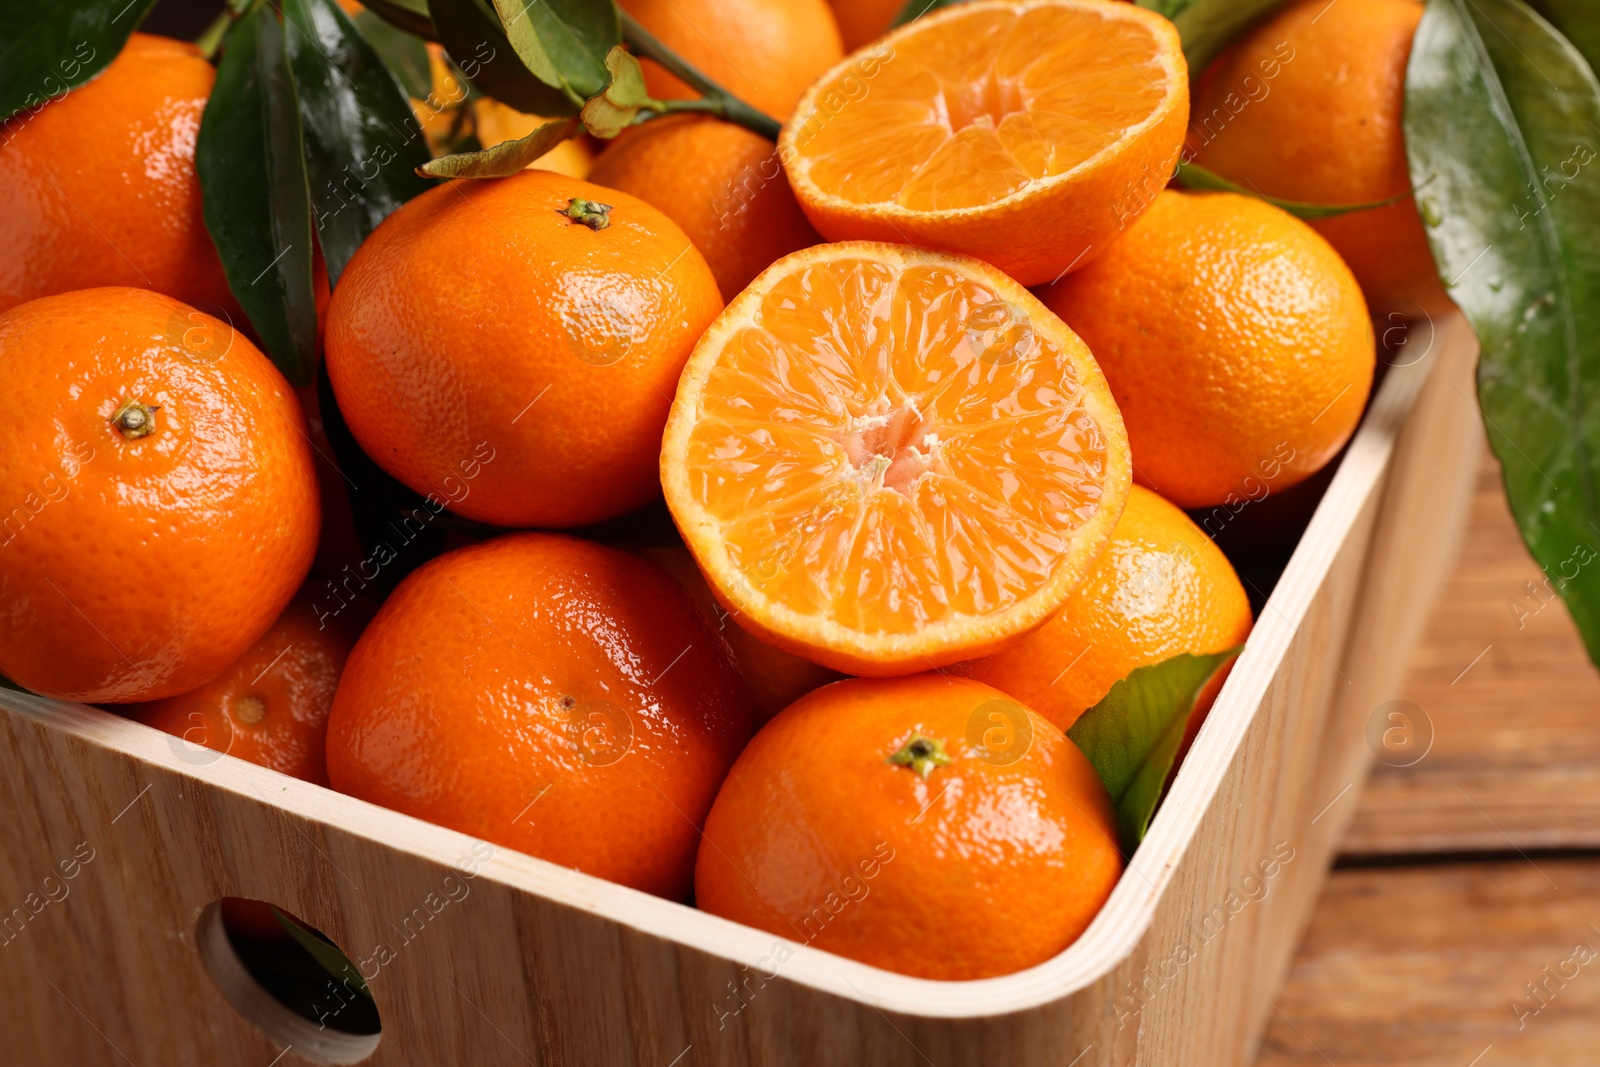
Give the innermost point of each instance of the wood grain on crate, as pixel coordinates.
(1515, 707)
(541, 965)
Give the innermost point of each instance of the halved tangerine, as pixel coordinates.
(1028, 133)
(885, 459)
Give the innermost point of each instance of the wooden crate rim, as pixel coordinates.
(1111, 938)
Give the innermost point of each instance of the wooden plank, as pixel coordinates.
(1513, 701)
(1429, 967)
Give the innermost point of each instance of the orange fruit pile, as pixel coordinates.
(796, 408)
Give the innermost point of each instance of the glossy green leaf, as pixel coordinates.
(326, 953)
(405, 54)
(471, 32)
(257, 198)
(1132, 735)
(1194, 176)
(610, 112)
(1579, 21)
(48, 49)
(363, 145)
(1503, 116)
(564, 42)
(409, 15)
(1207, 26)
(503, 160)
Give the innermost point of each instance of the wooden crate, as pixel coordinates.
(480, 955)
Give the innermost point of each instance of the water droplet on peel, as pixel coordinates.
(1429, 208)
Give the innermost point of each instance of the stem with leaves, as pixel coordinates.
(714, 99)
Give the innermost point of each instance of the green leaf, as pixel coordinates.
(363, 146)
(1503, 115)
(505, 159)
(409, 15)
(1579, 20)
(48, 49)
(614, 110)
(257, 198)
(564, 42)
(1132, 735)
(405, 54)
(471, 32)
(1194, 176)
(1208, 26)
(326, 953)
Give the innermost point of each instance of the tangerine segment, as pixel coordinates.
(1026, 133)
(885, 459)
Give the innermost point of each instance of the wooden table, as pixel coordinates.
(1476, 871)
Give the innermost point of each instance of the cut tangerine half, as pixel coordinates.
(1028, 133)
(886, 459)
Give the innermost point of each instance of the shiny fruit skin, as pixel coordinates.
(1319, 92)
(545, 694)
(1236, 342)
(271, 706)
(863, 21)
(1161, 588)
(765, 52)
(773, 678)
(99, 186)
(721, 183)
(990, 864)
(512, 363)
(139, 568)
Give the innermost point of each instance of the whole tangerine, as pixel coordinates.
(1161, 588)
(98, 187)
(721, 183)
(765, 52)
(875, 818)
(546, 694)
(512, 346)
(1309, 106)
(160, 500)
(271, 706)
(1236, 342)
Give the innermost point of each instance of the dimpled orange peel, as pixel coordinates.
(886, 459)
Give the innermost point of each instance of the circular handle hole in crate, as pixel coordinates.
(295, 996)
